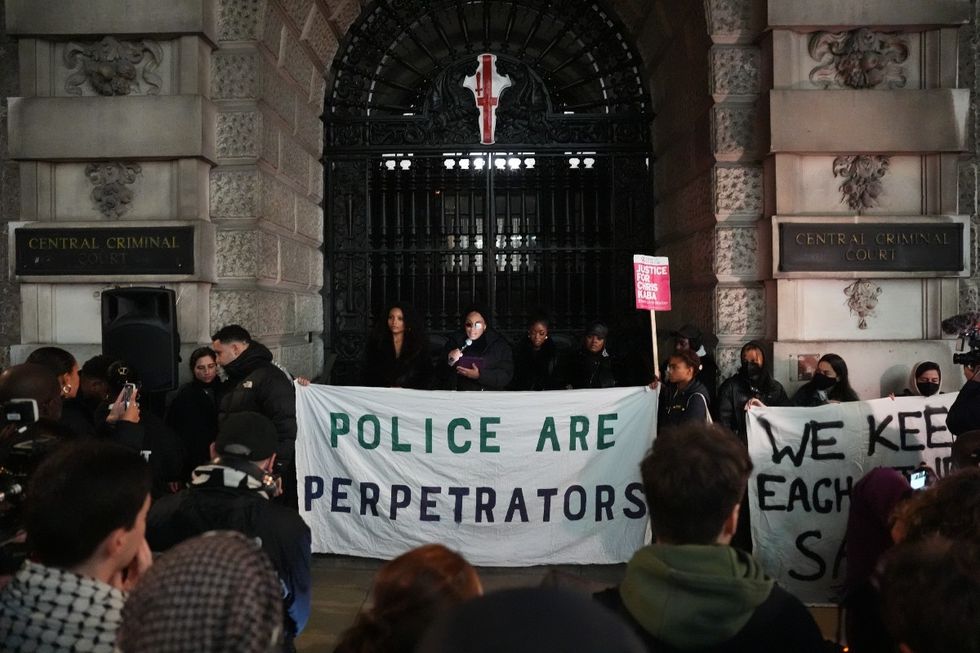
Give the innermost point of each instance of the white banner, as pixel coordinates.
(506, 478)
(806, 462)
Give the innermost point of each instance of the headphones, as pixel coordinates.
(269, 482)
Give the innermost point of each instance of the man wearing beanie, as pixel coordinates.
(233, 492)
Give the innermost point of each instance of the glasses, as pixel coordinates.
(473, 325)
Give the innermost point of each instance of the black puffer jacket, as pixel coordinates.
(736, 391)
(256, 384)
(496, 365)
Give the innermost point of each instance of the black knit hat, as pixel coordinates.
(247, 435)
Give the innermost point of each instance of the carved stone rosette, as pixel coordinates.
(858, 59)
(113, 67)
(861, 174)
(111, 195)
(862, 298)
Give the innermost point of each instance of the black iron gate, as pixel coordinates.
(548, 218)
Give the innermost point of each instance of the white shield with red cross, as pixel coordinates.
(487, 85)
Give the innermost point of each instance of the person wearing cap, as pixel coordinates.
(591, 366)
(234, 492)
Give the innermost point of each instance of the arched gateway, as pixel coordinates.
(417, 209)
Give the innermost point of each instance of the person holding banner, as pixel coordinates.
(592, 366)
(398, 351)
(536, 359)
(752, 383)
(478, 357)
(925, 380)
(830, 384)
(683, 398)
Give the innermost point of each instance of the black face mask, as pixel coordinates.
(752, 371)
(927, 389)
(823, 382)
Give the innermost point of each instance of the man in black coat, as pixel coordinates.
(233, 492)
(256, 384)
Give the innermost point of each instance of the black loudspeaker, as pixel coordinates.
(139, 325)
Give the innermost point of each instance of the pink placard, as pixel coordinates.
(651, 282)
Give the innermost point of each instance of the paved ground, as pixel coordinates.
(341, 585)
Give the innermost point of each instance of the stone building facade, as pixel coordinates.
(206, 113)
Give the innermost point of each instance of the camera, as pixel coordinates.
(971, 338)
(967, 327)
(18, 411)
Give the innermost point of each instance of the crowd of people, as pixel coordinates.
(179, 532)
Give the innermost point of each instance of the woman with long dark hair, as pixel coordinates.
(409, 593)
(477, 357)
(398, 351)
(830, 384)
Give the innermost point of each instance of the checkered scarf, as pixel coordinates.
(50, 609)
(214, 593)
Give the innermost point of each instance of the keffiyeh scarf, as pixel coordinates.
(49, 609)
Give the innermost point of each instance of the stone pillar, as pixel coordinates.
(867, 124)
(267, 82)
(706, 77)
(113, 126)
(9, 195)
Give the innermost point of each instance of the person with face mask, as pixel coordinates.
(752, 385)
(924, 380)
(751, 382)
(830, 384)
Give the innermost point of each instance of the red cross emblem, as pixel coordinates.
(487, 85)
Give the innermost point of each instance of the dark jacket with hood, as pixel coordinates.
(496, 365)
(226, 495)
(709, 598)
(682, 406)
(256, 384)
(749, 383)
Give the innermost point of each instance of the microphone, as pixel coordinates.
(466, 343)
